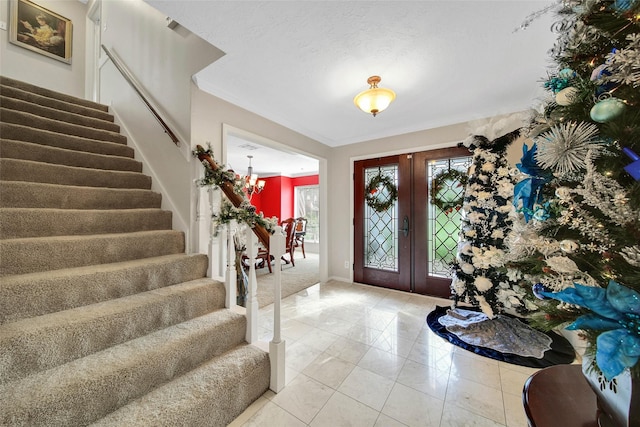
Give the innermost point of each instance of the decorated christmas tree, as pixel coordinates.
(577, 242)
(480, 278)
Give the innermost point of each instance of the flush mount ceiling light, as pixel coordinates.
(374, 100)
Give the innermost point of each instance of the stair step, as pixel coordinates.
(35, 294)
(55, 114)
(27, 170)
(18, 223)
(28, 119)
(44, 137)
(213, 394)
(10, 149)
(27, 87)
(60, 105)
(87, 389)
(22, 194)
(33, 345)
(22, 256)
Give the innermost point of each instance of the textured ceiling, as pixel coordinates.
(300, 63)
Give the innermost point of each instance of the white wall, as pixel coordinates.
(22, 64)
(162, 61)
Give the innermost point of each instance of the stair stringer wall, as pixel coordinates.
(170, 168)
(179, 221)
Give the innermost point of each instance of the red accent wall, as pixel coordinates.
(286, 200)
(277, 198)
(305, 180)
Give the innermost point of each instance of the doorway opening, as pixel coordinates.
(287, 175)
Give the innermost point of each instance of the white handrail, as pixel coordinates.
(231, 277)
(277, 345)
(252, 295)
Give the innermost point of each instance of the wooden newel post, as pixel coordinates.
(236, 199)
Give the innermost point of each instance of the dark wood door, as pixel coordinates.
(435, 232)
(402, 247)
(382, 249)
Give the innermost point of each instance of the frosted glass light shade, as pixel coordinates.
(375, 99)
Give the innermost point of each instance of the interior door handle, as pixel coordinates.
(405, 226)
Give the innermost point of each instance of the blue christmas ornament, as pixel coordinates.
(623, 5)
(528, 192)
(607, 109)
(556, 84)
(538, 289)
(634, 168)
(567, 73)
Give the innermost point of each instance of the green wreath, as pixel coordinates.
(447, 206)
(372, 190)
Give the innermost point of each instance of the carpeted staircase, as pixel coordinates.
(104, 319)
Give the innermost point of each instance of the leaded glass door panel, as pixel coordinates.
(436, 231)
(382, 248)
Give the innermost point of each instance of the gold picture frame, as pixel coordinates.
(40, 30)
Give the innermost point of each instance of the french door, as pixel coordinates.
(409, 245)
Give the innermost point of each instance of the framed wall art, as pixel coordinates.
(41, 30)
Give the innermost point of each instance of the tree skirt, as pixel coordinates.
(503, 338)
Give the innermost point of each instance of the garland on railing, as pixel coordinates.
(245, 212)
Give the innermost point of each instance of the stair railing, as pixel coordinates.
(132, 81)
(276, 245)
(235, 198)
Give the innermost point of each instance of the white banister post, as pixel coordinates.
(230, 283)
(277, 346)
(215, 247)
(252, 296)
(212, 231)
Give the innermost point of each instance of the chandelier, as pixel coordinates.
(252, 184)
(374, 100)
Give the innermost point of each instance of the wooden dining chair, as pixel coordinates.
(288, 226)
(300, 231)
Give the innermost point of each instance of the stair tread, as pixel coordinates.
(24, 150)
(29, 345)
(59, 167)
(47, 239)
(28, 222)
(7, 81)
(77, 251)
(41, 194)
(57, 114)
(105, 268)
(34, 294)
(188, 399)
(18, 132)
(39, 122)
(59, 104)
(97, 311)
(101, 382)
(33, 171)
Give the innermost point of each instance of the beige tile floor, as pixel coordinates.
(364, 356)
